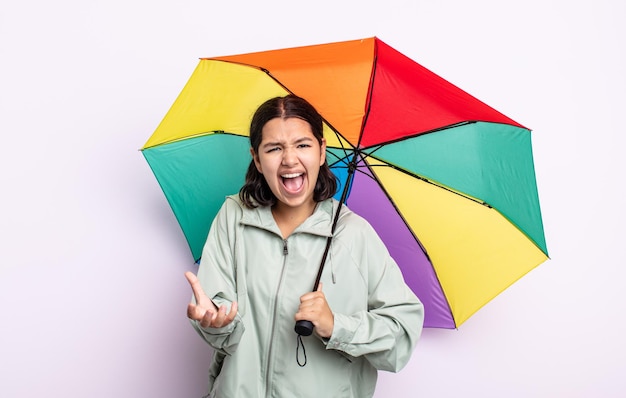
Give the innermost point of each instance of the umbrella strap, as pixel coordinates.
(300, 344)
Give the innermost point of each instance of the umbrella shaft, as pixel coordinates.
(344, 194)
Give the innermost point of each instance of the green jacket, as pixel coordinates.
(377, 318)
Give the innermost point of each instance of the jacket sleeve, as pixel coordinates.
(217, 277)
(387, 332)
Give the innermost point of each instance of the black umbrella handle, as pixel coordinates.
(304, 328)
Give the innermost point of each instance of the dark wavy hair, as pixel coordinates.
(255, 191)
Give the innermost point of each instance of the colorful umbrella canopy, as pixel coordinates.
(447, 181)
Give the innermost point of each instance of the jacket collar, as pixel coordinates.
(319, 223)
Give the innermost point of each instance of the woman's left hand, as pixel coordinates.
(314, 308)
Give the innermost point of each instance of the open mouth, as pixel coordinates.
(293, 182)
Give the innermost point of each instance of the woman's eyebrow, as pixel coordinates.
(278, 143)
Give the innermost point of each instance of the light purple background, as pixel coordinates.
(92, 294)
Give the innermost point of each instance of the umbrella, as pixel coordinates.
(447, 181)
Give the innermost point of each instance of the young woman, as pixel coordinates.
(261, 259)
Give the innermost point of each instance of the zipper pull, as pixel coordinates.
(285, 251)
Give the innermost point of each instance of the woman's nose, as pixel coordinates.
(289, 157)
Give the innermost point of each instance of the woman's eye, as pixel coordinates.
(274, 149)
(304, 145)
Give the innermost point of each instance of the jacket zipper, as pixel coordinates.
(268, 370)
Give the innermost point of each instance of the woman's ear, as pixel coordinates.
(255, 158)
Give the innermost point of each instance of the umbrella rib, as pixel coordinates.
(333, 129)
(420, 133)
(268, 73)
(371, 167)
(368, 104)
(393, 203)
(417, 240)
(370, 154)
(339, 136)
(195, 135)
(426, 180)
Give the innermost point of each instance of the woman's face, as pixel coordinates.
(289, 157)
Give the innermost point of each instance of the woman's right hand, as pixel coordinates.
(204, 310)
